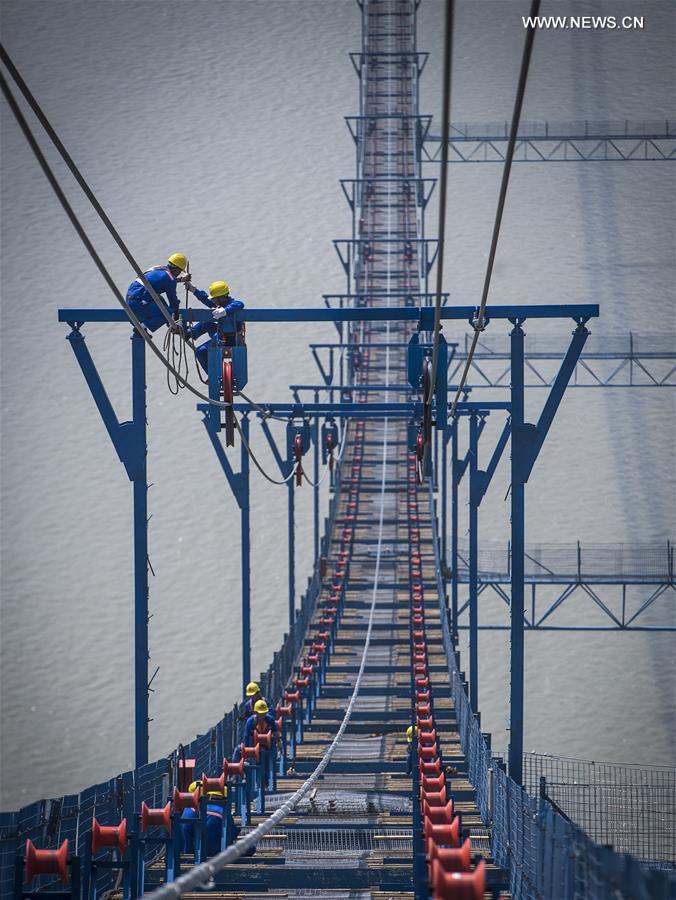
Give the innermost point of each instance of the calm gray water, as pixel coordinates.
(216, 128)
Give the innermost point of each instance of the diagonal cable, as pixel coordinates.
(479, 321)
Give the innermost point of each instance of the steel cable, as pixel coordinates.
(63, 200)
(445, 134)
(479, 321)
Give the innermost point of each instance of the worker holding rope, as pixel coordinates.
(223, 305)
(163, 280)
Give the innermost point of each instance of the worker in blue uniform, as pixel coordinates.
(262, 721)
(163, 280)
(223, 304)
(216, 817)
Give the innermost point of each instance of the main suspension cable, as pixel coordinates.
(53, 181)
(479, 321)
(445, 136)
(46, 124)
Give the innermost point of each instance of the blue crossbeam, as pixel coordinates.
(424, 316)
(356, 410)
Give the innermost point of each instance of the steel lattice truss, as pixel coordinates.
(549, 142)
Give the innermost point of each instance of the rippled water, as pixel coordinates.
(216, 128)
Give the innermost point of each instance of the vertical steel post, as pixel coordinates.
(444, 498)
(316, 481)
(473, 562)
(454, 530)
(140, 482)
(516, 700)
(291, 535)
(245, 514)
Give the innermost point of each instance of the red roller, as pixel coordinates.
(447, 834)
(434, 798)
(46, 862)
(433, 783)
(292, 696)
(253, 753)
(312, 659)
(307, 671)
(323, 636)
(213, 785)
(423, 709)
(430, 768)
(425, 723)
(264, 741)
(458, 885)
(427, 753)
(233, 769)
(186, 799)
(227, 381)
(319, 647)
(109, 836)
(160, 818)
(302, 682)
(280, 723)
(421, 669)
(439, 815)
(419, 446)
(284, 710)
(452, 859)
(428, 737)
(418, 635)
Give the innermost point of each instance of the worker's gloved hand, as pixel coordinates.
(191, 289)
(219, 312)
(185, 278)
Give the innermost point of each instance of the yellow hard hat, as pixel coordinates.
(252, 689)
(409, 733)
(215, 794)
(218, 289)
(193, 787)
(260, 706)
(180, 260)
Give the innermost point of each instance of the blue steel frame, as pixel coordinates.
(526, 441)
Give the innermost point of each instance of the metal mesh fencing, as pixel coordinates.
(632, 808)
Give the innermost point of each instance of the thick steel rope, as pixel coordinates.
(443, 181)
(204, 872)
(140, 330)
(479, 323)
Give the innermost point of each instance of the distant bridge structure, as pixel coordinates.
(540, 142)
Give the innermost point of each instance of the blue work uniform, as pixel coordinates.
(250, 727)
(210, 328)
(409, 760)
(214, 827)
(163, 281)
